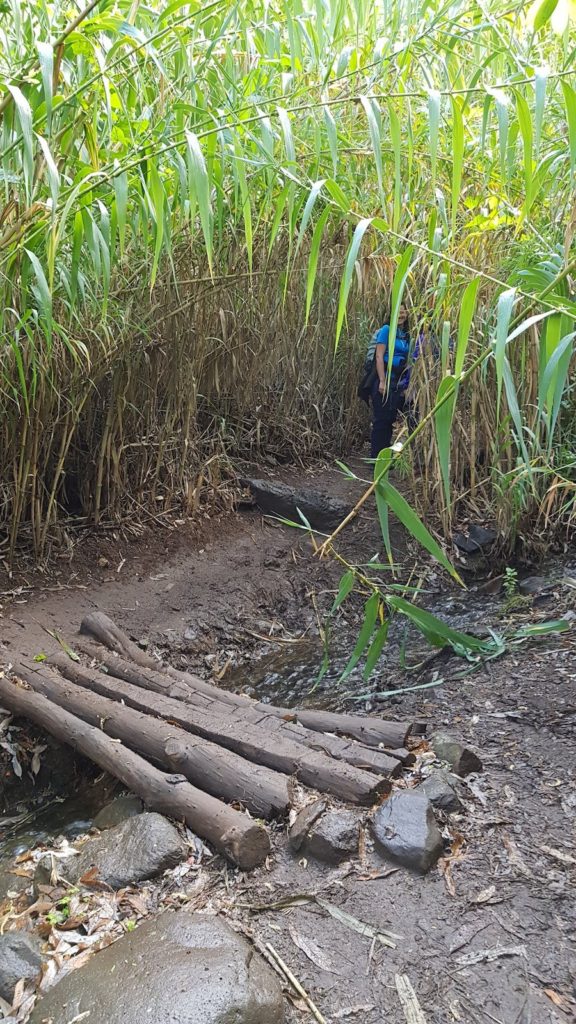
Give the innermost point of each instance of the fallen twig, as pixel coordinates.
(295, 984)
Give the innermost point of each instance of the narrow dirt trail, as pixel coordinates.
(489, 936)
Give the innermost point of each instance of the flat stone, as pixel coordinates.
(19, 958)
(303, 822)
(321, 511)
(120, 809)
(333, 837)
(405, 831)
(134, 851)
(531, 586)
(9, 882)
(461, 758)
(441, 792)
(180, 968)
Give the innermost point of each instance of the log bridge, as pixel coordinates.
(219, 761)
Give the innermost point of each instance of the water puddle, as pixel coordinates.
(45, 818)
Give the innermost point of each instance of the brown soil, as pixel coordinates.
(236, 587)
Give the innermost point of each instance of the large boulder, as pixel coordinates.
(276, 499)
(119, 810)
(181, 968)
(19, 958)
(405, 831)
(137, 849)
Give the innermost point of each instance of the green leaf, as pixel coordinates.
(345, 588)
(415, 526)
(443, 427)
(504, 312)
(25, 120)
(313, 258)
(544, 11)
(381, 467)
(332, 135)
(158, 198)
(314, 193)
(467, 308)
(355, 244)
(376, 648)
(525, 122)
(436, 631)
(434, 100)
(372, 111)
(457, 157)
(370, 615)
(201, 187)
(46, 58)
(396, 140)
(570, 104)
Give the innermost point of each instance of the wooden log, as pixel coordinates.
(211, 768)
(372, 731)
(241, 839)
(252, 741)
(183, 688)
(375, 732)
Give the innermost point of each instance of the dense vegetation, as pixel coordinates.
(205, 207)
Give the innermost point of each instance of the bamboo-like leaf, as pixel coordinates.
(53, 175)
(367, 628)
(345, 587)
(287, 134)
(381, 467)
(544, 9)
(121, 192)
(443, 426)
(353, 251)
(41, 290)
(457, 157)
(201, 186)
(376, 648)
(415, 526)
(372, 111)
(525, 122)
(504, 312)
(46, 58)
(313, 258)
(501, 101)
(310, 202)
(25, 120)
(434, 100)
(540, 101)
(570, 104)
(332, 135)
(437, 632)
(467, 308)
(396, 140)
(158, 199)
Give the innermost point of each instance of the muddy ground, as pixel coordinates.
(490, 935)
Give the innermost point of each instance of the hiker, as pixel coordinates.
(386, 388)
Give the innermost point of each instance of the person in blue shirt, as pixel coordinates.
(388, 387)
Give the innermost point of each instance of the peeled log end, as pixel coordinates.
(248, 848)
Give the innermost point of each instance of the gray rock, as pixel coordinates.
(180, 968)
(138, 849)
(531, 586)
(461, 758)
(122, 808)
(278, 499)
(405, 831)
(333, 837)
(441, 792)
(478, 539)
(303, 822)
(19, 958)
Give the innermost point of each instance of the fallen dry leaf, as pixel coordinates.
(562, 1002)
(311, 950)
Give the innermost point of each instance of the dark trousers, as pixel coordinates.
(385, 409)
